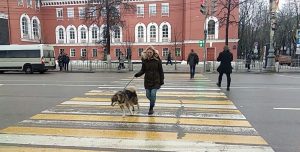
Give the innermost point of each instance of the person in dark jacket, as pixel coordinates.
(225, 57)
(154, 75)
(248, 61)
(192, 60)
(169, 59)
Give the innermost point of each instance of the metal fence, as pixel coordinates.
(211, 66)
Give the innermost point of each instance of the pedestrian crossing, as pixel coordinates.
(190, 115)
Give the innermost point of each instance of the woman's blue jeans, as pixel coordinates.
(151, 95)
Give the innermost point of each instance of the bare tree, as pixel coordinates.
(108, 13)
(127, 45)
(178, 41)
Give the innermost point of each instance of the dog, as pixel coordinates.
(126, 98)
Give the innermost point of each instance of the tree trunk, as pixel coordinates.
(227, 22)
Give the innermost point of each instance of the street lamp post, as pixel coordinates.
(271, 56)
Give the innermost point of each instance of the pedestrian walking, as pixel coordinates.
(169, 59)
(225, 57)
(121, 61)
(154, 75)
(248, 61)
(192, 60)
(66, 62)
(60, 61)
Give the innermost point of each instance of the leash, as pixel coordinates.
(128, 83)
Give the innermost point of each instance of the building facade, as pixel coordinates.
(174, 26)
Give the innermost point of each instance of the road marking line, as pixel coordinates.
(289, 76)
(143, 135)
(161, 95)
(297, 109)
(157, 104)
(139, 113)
(228, 111)
(163, 88)
(165, 92)
(140, 126)
(150, 145)
(37, 149)
(144, 100)
(138, 119)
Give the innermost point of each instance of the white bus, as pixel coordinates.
(27, 58)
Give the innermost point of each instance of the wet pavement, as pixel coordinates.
(190, 115)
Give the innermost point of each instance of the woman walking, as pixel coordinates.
(154, 75)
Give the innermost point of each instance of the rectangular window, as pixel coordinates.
(37, 4)
(81, 11)
(165, 52)
(152, 10)
(140, 51)
(165, 9)
(117, 52)
(83, 53)
(140, 10)
(20, 2)
(70, 12)
(29, 3)
(59, 13)
(93, 12)
(72, 52)
(95, 53)
(61, 51)
(177, 52)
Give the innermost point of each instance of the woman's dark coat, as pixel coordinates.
(154, 75)
(225, 58)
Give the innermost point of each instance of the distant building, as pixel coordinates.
(160, 23)
(4, 35)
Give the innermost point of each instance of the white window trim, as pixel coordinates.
(101, 30)
(71, 52)
(148, 32)
(93, 52)
(79, 34)
(57, 34)
(121, 36)
(38, 26)
(154, 14)
(81, 16)
(81, 52)
(161, 32)
(165, 13)
(70, 12)
(28, 25)
(57, 10)
(136, 32)
(143, 10)
(216, 25)
(90, 33)
(68, 33)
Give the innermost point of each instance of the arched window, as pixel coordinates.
(25, 30)
(83, 33)
(211, 27)
(165, 33)
(152, 33)
(141, 33)
(117, 35)
(72, 34)
(61, 35)
(94, 33)
(35, 29)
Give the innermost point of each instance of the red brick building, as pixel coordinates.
(161, 23)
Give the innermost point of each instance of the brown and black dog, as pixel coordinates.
(128, 98)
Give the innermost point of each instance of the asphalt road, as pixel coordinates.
(270, 102)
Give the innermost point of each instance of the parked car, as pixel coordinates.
(284, 59)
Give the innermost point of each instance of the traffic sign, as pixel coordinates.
(201, 43)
